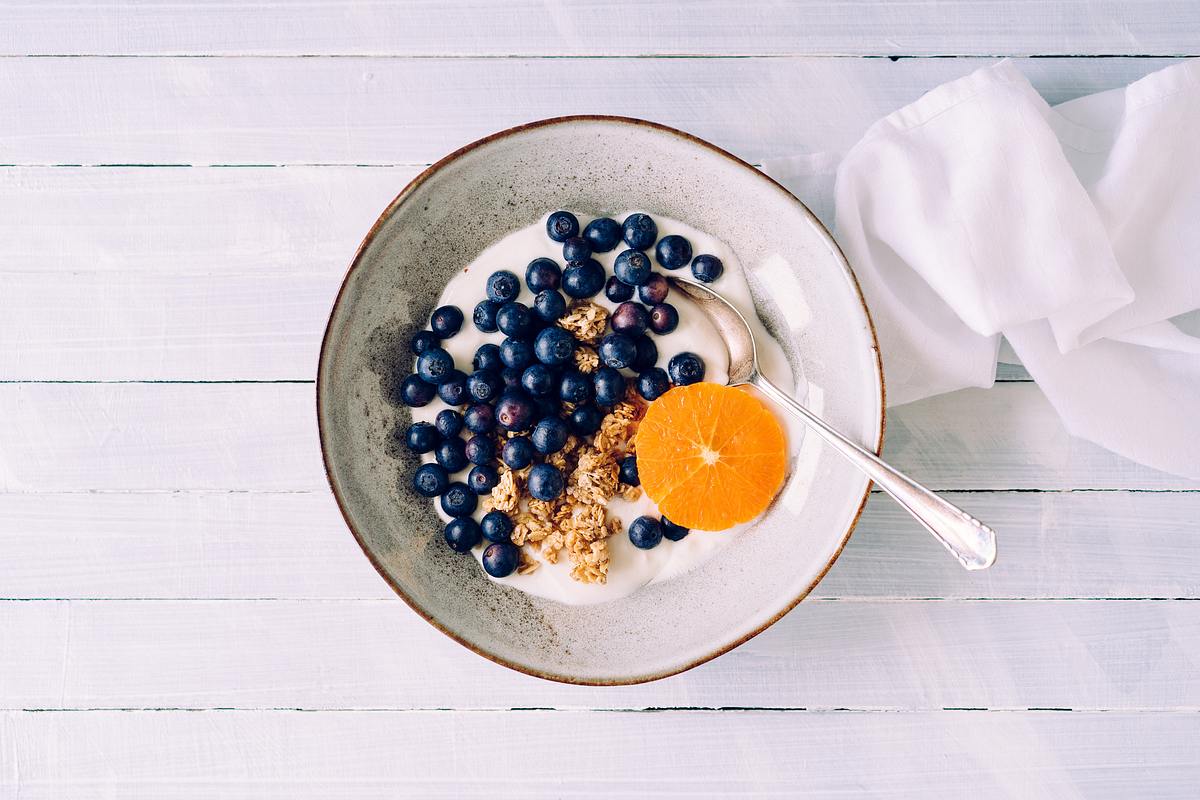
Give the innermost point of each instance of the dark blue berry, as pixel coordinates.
(549, 406)
(448, 422)
(412, 391)
(575, 387)
(602, 234)
(482, 478)
(511, 377)
(422, 341)
(503, 286)
(673, 251)
(446, 321)
(549, 435)
(496, 526)
(640, 231)
(484, 385)
(654, 290)
(632, 267)
(554, 346)
(538, 379)
(630, 318)
(685, 368)
(430, 480)
(458, 500)
(542, 274)
(617, 350)
(576, 249)
(421, 437)
(500, 559)
(435, 366)
(645, 533)
(617, 290)
(583, 279)
(561, 226)
(480, 418)
(549, 305)
(514, 412)
(545, 482)
(707, 268)
(672, 531)
(647, 354)
(462, 533)
(664, 318)
(653, 383)
(514, 320)
(488, 357)
(610, 386)
(453, 390)
(516, 354)
(629, 472)
(480, 449)
(586, 420)
(451, 454)
(484, 316)
(517, 452)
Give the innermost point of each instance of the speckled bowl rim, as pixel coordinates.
(404, 194)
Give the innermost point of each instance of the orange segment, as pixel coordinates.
(710, 456)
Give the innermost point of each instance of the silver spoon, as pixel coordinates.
(971, 542)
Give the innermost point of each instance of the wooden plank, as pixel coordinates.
(334, 654)
(210, 545)
(577, 27)
(413, 111)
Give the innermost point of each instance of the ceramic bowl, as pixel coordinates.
(805, 294)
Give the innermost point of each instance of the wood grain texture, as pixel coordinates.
(578, 27)
(413, 111)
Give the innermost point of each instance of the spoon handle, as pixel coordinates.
(971, 542)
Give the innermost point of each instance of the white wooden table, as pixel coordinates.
(183, 187)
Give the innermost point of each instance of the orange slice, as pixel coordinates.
(710, 456)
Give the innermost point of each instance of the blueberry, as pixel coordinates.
(664, 318)
(430, 480)
(451, 454)
(617, 290)
(647, 354)
(422, 341)
(554, 346)
(488, 357)
(632, 267)
(514, 412)
(503, 286)
(640, 231)
(446, 321)
(480, 418)
(484, 316)
(610, 386)
(653, 383)
(482, 478)
(549, 435)
(685, 368)
(435, 366)
(516, 353)
(602, 234)
(672, 531)
(453, 390)
(458, 500)
(462, 533)
(575, 387)
(630, 318)
(542, 274)
(654, 290)
(484, 385)
(586, 420)
(496, 526)
(514, 320)
(500, 559)
(448, 422)
(617, 350)
(480, 449)
(673, 251)
(583, 279)
(629, 472)
(576, 249)
(561, 226)
(707, 268)
(545, 482)
(411, 391)
(421, 437)
(549, 305)
(549, 406)
(517, 452)
(538, 380)
(645, 532)
(511, 377)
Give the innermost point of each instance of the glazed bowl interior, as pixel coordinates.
(805, 295)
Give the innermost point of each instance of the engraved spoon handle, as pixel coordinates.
(971, 542)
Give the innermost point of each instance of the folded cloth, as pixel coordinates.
(979, 211)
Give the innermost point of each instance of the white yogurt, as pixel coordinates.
(630, 568)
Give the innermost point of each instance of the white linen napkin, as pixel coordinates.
(1074, 232)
